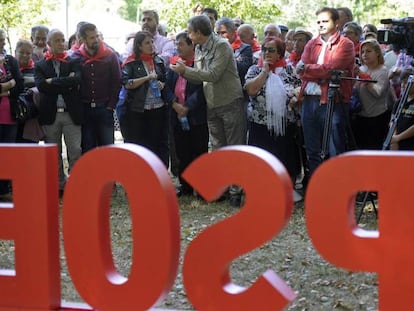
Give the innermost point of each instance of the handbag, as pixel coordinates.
(24, 108)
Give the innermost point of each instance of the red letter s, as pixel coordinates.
(267, 208)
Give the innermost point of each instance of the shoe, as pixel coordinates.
(297, 197)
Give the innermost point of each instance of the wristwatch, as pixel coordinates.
(130, 81)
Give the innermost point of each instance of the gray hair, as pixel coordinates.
(227, 22)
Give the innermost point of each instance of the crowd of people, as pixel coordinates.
(211, 85)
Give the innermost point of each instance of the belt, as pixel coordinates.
(61, 110)
(95, 104)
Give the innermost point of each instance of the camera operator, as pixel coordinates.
(328, 52)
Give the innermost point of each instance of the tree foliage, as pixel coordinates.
(175, 13)
(129, 10)
(19, 16)
(292, 13)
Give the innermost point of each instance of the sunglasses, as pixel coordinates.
(270, 50)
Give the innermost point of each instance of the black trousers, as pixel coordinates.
(149, 129)
(188, 146)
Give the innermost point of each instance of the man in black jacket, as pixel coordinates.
(58, 77)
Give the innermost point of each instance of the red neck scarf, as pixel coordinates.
(272, 67)
(30, 65)
(61, 57)
(294, 58)
(189, 62)
(102, 52)
(131, 57)
(236, 43)
(149, 59)
(256, 46)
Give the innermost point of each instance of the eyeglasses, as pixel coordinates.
(221, 32)
(270, 50)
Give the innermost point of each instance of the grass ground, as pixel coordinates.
(318, 284)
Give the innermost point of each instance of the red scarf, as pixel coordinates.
(188, 62)
(30, 65)
(149, 59)
(102, 52)
(236, 43)
(272, 67)
(294, 58)
(365, 75)
(131, 57)
(256, 46)
(61, 57)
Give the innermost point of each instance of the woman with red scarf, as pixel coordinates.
(270, 88)
(28, 131)
(146, 120)
(11, 85)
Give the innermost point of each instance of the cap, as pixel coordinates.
(301, 30)
(283, 28)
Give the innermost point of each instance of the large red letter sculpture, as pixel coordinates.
(155, 228)
(31, 221)
(332, 227)
(266, 211)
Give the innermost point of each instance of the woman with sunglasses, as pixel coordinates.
(271, 88)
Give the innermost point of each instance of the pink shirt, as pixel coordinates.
(179, 90)
(5, 114)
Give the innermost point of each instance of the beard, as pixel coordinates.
(94, 47)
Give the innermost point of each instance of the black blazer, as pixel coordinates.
(66, 85)
(194, 100)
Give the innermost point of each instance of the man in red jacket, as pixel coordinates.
(326, 53)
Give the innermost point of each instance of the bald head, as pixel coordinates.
(272, 30)
(246, 33)
(56, 41)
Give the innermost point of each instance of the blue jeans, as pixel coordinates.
(313, 123)
(98, 129)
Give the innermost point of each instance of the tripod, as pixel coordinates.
(333, 92)
(387, 142)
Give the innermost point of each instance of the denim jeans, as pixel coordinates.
(98, 129)
(313, 122)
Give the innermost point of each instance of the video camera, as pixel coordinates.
(401, 36)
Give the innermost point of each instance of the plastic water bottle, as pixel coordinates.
(185, 125)
(154, 88)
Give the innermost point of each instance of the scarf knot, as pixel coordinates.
(30, 65)
(101, 53)
(188, 62)
(61, 57)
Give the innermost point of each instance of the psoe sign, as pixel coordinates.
(32, 222)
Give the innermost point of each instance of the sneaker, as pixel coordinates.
(297, 197)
